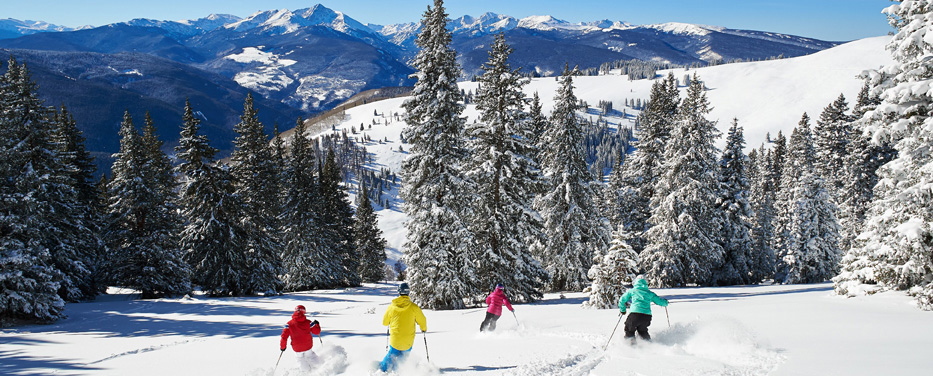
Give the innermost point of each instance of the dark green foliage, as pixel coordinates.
(142, 221)
(30, 189)
(214, 241)
(368, 240)
(308, 264)
(256, 182)
(336, 221)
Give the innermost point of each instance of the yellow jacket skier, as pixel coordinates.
(401, 317)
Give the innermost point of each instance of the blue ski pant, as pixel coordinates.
(392, 358)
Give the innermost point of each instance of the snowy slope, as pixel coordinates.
(760, 330)
(768, 96)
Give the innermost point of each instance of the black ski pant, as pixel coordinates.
(489, 323)
(637, 322)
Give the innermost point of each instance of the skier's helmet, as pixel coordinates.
(300, 308)
(500, 287)
(403, 289)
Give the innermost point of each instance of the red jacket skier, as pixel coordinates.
(495, 300)
(302, 333)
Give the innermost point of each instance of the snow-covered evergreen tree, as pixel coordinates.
(256, 183)
(503, 222)
(894, 251)
(79, 165)
(809, 234)
(831, 137)
(738, 247)
(778, 158)
(440, 267)
(43, 168)
(308, 264)
(684, 242)
(29, 277)
(368, 240)
(78, 212)
(864, 157)
(336, 222)
(762, 195)
(537, 124)
(573, 230)
(213, 239)
(612, 271)
(642, 169)
(142, 220)
(797, 156)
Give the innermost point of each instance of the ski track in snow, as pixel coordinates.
(705, 347)
(144, 350)
(331, 360)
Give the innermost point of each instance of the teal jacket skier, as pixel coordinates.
(637, 301)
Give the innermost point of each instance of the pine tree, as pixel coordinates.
(809, 251)
(280, 164)
(336, 222)
(894, 251)
(797, 156)
(737, 228)
(506, 178)
(574, 233)
(864, 157)
(83, 223)
(368, 240)
(256, 183)
(642, 170)
(440, 269)
(142, 223)
(28, 275)
(213, 240)
(537, 124)
(831, 136)
(762, 195)
(612, 271)
(308, 264)
(45, 170)
(684, 243)
(778, 159)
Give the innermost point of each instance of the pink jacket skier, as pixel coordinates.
(495, 300)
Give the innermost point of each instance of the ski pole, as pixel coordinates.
(516, 319)
(668, 317)
(277, 362)
(387, 339)
(614, 330)
(426, 346)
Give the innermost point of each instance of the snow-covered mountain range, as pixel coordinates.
(317, 36)
(11, 28)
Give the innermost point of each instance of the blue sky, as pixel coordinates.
(836, 20)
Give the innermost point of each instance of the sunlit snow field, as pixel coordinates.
(777, 330)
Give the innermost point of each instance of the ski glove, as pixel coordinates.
(313, 323)
(283, 350)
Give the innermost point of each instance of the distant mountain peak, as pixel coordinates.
(10, 27)
(544, 23)
(186, 28)
(285, 21)
(486, 23)
(684, 28)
